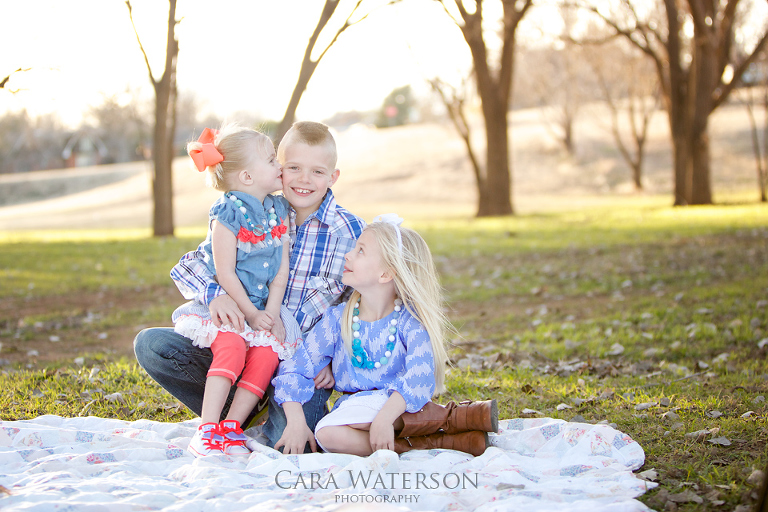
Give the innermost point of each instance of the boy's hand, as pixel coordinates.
(324, 378)
(382, 435)
(224, 311)
(279, 330)
(294, 438)
(260, 320)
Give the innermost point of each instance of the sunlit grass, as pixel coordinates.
(680, 291)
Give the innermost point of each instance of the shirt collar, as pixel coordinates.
(325, 213)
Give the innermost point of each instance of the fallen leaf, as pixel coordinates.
(762, 343)
(527, 389)
(723, 441)
(87, 408)
(562, 407)
(670, 416)
(664, 401)
(756, 478)
(645, 405)
(649, 474)
(115, 397)
(748, 414)
(616, 349)
(686, 496)
(714, 414)
(529, 412)
(758, 399)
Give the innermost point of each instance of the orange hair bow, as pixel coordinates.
(208, 154)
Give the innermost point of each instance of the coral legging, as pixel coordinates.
(254, 365)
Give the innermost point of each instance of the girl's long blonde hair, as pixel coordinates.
(416, 283)
(239, 146)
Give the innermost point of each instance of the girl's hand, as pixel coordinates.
(224, 311)
(382, 435)
(260, 320)
(324, 378)
(294, 438)
(279, 330)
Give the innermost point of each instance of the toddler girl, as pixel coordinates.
(246, 251)
(388, 357)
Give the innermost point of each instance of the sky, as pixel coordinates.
(235, 55)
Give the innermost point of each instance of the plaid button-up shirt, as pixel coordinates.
(316, 265)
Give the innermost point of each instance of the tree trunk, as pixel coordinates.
(162, 180)
(495, 195)
(701, 190)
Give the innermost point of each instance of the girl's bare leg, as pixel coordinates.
(216, 392)
(242, 404)
(345, 439)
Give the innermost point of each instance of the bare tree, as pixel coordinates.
(165, 125)
(494, 86)
(691, 45)
(631, 93)
(308, 65)
(560, 81)
(454, 100)
(760, 149)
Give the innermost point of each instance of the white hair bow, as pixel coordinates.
(395, 220)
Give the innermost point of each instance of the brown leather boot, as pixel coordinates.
(451, 418)
(473, 442)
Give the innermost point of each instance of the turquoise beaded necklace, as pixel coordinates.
(360, 357)
(259, 230)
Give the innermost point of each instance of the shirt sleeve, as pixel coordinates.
(194, 280)
(295, 376)
(226, 213)
(416, 383)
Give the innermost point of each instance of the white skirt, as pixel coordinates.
(193, 320)
(358, 408)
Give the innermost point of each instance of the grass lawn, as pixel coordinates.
(651, 318)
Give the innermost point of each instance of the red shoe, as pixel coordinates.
(206, 441)
(233, 438)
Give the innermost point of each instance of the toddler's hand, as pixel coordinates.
(260, 320)
(279, 330)
(224, 311)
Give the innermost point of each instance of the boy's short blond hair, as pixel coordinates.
(311, 134)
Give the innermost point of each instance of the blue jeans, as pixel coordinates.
(181, 368)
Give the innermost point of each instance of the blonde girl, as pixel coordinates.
(246, 250)
(387, 347)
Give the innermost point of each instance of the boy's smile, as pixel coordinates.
(307, 176)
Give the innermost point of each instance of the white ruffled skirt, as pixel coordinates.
(193, 320)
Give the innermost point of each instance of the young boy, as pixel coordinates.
(322, 232)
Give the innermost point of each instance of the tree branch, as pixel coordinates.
(721, 94)
(4, 81)
(141, 46)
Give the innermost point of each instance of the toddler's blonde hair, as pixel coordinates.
(239, 146)
(416, 283)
